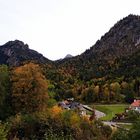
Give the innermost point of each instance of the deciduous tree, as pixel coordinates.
(29, 88)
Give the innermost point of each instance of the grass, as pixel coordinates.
(111, 110)
(126, 126)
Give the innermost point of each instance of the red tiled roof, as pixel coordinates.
(136, 103)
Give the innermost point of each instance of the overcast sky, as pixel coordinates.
(59, 27)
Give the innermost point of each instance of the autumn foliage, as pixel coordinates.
(29, 89)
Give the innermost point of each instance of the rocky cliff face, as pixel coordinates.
(123, 39)
(13, 53)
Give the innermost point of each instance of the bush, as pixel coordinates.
(51, 102)
(134, 133)
(3, 131)
(106, 130)
(120, 135)
(133, 115)
(56, 123)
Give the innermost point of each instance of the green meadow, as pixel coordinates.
(111, 110)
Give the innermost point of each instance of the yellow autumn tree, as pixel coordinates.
(115, 87)
(55, 111)
(96, 91)
(75, 119)
(29, 88)
(106, 92)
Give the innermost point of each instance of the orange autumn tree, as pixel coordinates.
(29, 89)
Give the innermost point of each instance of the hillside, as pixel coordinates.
(109, 71)
(121, 42)
(13, 53)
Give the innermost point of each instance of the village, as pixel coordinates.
(84, 110)
(92, 113)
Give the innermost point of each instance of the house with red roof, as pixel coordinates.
(135, 105)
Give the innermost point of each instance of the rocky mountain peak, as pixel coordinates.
(13, 53)
(122, 39)
(16, 44)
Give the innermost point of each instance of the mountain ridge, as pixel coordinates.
(13, 53)
(121, 40)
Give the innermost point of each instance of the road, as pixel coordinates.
(99, 114)
(116, 124)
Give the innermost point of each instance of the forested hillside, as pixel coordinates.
(101, 72)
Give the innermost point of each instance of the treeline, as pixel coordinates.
(106, 89)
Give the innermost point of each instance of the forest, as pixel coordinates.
(29, 110)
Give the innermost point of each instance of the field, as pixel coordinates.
(111, 110)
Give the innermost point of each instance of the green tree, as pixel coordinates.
(129, 95)
(134, 133)
(4, 92)
(106, 130)
(89, 95)
(120, 134)
(133, 115)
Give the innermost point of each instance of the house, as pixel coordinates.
(82, 111)
(70, 104)
(135, 105)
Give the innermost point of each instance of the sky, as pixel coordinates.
(56, 28)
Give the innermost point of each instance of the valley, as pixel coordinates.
(106, 77)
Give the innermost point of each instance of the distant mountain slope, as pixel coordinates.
(122, 41)
(14, 52)
(68, 56)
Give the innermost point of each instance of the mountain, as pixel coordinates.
(108, 72)
(68, 56)
(122, 39)
(120, 43)
(105, 58)
(15, 52)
